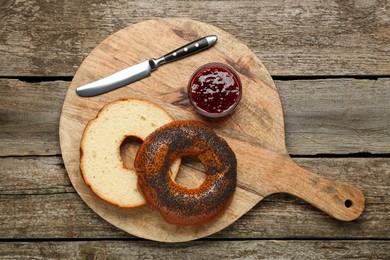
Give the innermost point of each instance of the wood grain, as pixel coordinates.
(272, 249)
(37, 200)
(342, 116)
(29, 117)
(255, 132)
(349, 112)
(291, 38)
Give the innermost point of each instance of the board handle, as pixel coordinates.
(338, 199)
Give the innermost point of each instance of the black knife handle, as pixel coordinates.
(191, 48)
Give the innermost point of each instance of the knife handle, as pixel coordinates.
(191, 48)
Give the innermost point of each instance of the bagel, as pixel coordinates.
(100, 160)
(177, 204)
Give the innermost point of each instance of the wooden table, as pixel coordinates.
(331, 64)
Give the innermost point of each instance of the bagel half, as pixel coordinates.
(100, 160)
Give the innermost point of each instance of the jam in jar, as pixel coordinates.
(215, 90)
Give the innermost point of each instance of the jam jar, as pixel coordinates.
(215, 90)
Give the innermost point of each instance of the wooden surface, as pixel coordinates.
(330, 63)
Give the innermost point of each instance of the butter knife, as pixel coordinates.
(143, 69)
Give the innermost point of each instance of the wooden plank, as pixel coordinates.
(36, 201)
(29, 116)
(291, 38)
(33, 175)
(253, 249)
(331, 116)
(336, 115)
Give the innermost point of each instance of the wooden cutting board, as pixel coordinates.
(255, 131)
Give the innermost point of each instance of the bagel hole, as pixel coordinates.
(128, 151)
(192, 172)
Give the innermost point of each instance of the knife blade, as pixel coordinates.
(143, 69)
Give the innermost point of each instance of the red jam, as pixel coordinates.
(214, 90)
